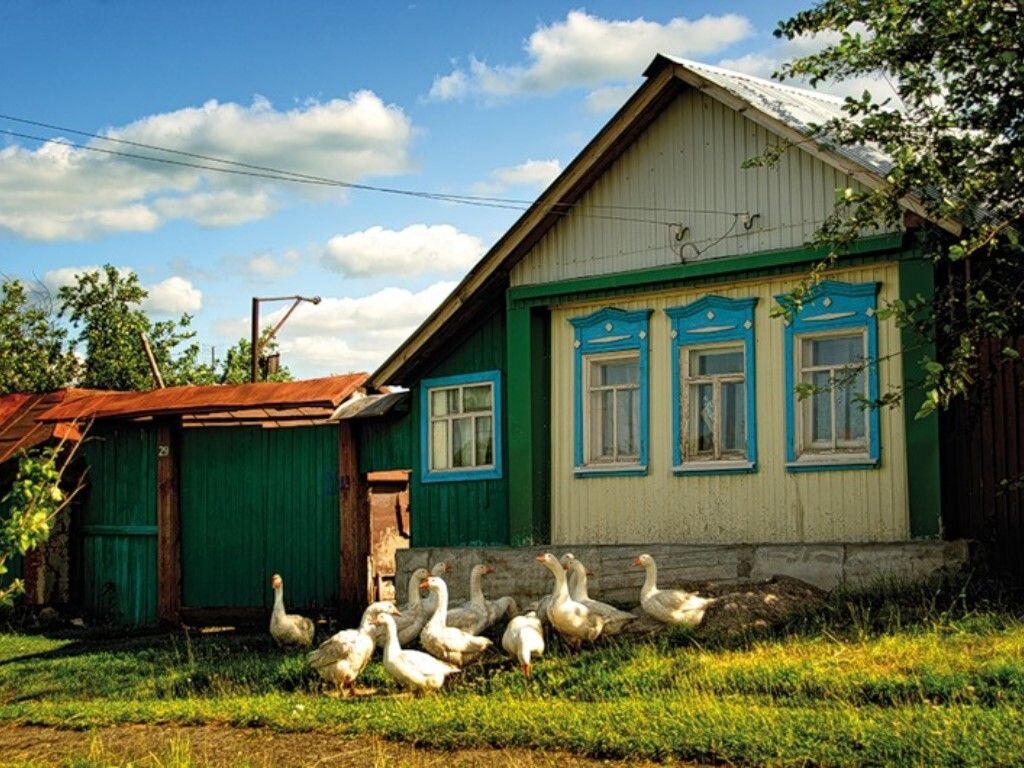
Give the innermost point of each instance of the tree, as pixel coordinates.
(955, 138)
(105, 306)
(35, 350)
(236, 366)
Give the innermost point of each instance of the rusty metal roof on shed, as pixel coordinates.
(327, 392)
(19, 420)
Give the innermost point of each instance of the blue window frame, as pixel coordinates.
(611, 393)
(714, 424)
(460, 427)
(831, 379)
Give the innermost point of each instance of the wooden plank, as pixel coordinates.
(355, 526)
(168, 515)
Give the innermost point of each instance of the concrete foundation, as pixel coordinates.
(617, 580)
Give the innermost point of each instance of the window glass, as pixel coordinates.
(834, 416)
(716, 425)
(439, 445)
(614, 409)
(716, 361)
(484, 441)
(734, 410)
(462, 427)
(476, 398)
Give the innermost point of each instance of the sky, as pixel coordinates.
(480, 99)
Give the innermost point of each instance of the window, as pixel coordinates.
(461, 435)
(831, 348)
(611, 392)
(713, 421)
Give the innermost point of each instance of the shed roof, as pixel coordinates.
(325, 393)
(19, 424)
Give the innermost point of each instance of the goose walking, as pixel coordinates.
(429, 602)
(413, 669)
(343, 656)
(479, 613)
(574, 621)
(524, 639)
(289, 630)
(669, 606)
(412, 615)
(450, 644)
(614, 619)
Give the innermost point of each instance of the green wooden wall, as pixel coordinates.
(119, 524)
(385, 442)
(255, 502)
(467, 512)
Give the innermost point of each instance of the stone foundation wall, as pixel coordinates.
(617, 580)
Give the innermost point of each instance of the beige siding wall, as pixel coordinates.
(770, 505)
(689, 158)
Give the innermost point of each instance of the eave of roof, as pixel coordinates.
(19, 420)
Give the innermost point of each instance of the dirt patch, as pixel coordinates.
(221, 746)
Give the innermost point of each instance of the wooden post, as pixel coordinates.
(168, 517)
(355, 526)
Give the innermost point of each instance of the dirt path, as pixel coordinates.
(220, 746)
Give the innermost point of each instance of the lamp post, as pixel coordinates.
(255, 344)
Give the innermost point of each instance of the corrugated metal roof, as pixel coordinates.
(799, 108)
(19, 425)
(327, 392)
(371, 406)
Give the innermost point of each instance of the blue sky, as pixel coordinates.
(473, 98)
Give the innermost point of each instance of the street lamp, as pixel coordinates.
(255, 345)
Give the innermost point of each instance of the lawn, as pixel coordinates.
(926, 676)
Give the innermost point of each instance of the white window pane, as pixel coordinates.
(439, 402)
(484, 441)
(462, 443)
(702, 418)
(734, 410)
(439, 445)
(616, 373)
(477, 398)
(834, 350)
(628, 422)
(713, 362)
(820, 405)
(602, 430)
(851, 416)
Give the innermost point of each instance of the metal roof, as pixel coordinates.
(19, 424)
(327, 392)
(372, 405)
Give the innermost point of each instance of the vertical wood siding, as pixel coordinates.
(770, 505)
(468, 512)
(689, 158)
(119, 524)
(256, 502)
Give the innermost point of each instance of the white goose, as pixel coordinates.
(574, 621)
(412, 616)
(524, 638)
(342, 657)
(429, 602)
(614, 619)
(413, 669)
(478, 613)
(669, 606)
(289, 630)
(448, 643)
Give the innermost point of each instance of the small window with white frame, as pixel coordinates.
(713, 382)
(462, 428)
(833, 412)
(612, 407)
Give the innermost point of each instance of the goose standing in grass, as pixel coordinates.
(669, 606)
(413, 669)
(289, 630)
(614, 619)
(523, 639)
(412, 616)
(478, 613)
(574, 621)
(430, 601)
(448, 643)
(342, 657)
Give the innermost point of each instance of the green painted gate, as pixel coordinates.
(256, 502)
(119, 524)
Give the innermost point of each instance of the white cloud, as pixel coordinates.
(417, 249)
(602, 100)
(267, 266)
(173, 296)
(532, 173)
(55, 279)
(588, 51)
(58, 192)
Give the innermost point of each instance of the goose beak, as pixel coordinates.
(488, 569)
(424, 584)
(590, 573)
(637, 562)
(540, 558)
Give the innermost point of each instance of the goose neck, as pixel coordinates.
(650, 580)
(440, 593)
(476, 589)
(279, 599)
(579, 590)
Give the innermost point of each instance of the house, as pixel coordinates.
(612, 371)
(196, 495)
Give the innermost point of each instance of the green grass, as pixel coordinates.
(910, 677)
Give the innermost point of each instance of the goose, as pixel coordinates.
(574, 621)
(412, 615)
(342, 657)
(289, 629)
(669, 606)
(524, 638)
(450, 644)
(614, 619)
(478, 613)
(413, 669)
(429, 602)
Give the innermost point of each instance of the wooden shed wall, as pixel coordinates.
(770, 505)
(682, 169)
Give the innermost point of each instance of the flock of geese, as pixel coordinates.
(451, 635)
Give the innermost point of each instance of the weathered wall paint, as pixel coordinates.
(119, 523)
(770, 505)
(256, 502)
(468, 512)
(689, 160)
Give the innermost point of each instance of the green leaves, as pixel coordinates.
(34, 348)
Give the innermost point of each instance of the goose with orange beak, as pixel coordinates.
(669, 606)
(573, 621)
(449, 644)
(413, 669)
